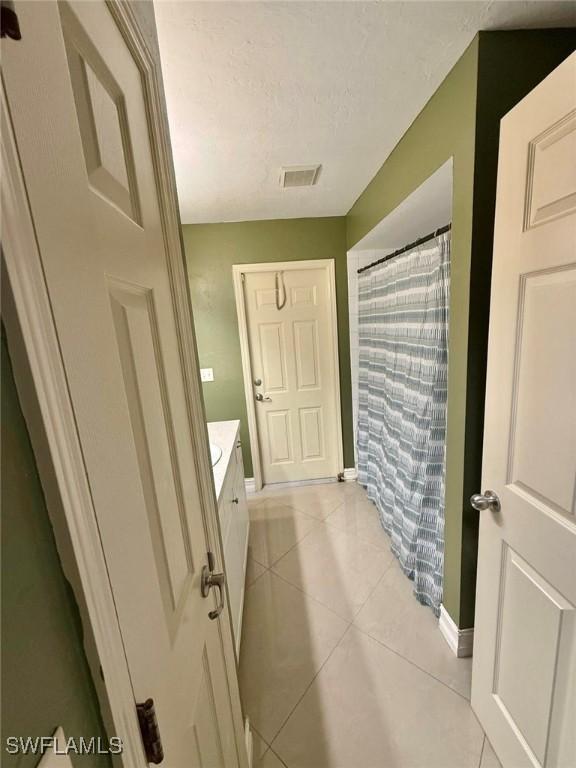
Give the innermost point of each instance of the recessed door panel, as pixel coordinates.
(273, 351)
(139, 348)
(266, 297)
(545, 404)
(102, 120)
(306, 354)
(279, 437)
(304, 295)
(551, 178)
(535, 628)
(311, 433)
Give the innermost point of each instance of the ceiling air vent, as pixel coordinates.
(299, 175)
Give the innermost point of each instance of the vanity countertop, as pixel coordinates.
(222, 434)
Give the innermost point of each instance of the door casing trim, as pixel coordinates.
(237, 271)
(46, 403)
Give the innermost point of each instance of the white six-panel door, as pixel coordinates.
(82, 124)
(524, 674)
(292, 354)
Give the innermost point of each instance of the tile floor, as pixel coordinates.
(340, 667)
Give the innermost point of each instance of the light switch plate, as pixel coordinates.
(207, 374)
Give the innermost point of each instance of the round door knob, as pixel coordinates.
(487, 500)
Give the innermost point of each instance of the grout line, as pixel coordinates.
(396, 562)
(311, 597)
(314, 517)
(326, 660)
(308, 594)
(249, 586)
(301, 511)
(277, 756)
(349, 623)
(388, 567)
(482, 751)
(296, 543)
(257, 732)
(412, 663)
(257, 561)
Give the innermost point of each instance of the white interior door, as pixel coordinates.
(524, 674)
(82, 125)
(292, 354)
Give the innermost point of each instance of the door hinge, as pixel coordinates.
(150, 732)
(242, 277)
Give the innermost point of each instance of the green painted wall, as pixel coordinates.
(462, 121)
(445, 128)
(46, 681)
(211, 250)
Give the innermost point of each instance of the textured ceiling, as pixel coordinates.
(253, 86)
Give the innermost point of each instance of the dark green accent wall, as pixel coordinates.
(526, 57)
(46, 681)
(462, 121)
(211, 250)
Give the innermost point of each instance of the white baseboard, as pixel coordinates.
(250, 484)
(461, 641)
(350, 475)
(249, 742)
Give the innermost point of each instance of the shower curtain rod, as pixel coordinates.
(408, 247)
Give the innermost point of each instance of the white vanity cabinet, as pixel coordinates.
(233, 512)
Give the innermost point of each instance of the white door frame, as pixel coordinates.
(237, 271)
(43, 391)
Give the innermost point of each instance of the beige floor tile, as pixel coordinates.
(286, 639)
(274, 529)
(269, 760)
(393, 616)
(259, 746)
(253, 571)
(338, 569)
(489, 759)
(357, 514)
(317, 500)
(368, 708)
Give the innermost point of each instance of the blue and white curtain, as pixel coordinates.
(403, 335)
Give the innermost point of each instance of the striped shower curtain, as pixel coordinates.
(403, 334)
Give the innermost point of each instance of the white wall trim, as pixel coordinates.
(350, 475)
(461, 641)
(250, 484)
(237, 271)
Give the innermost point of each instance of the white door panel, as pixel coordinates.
(75, 93)
(291, 351)
(524, 675)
